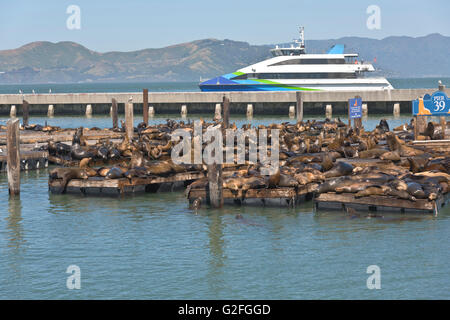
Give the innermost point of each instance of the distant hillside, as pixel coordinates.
(43, 62)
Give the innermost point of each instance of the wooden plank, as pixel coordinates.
(384, 201)
(13, 159)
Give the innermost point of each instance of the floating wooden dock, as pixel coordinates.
(93, 163)
(335, 201)
(266, 197)
(101, 186)
(29, 160)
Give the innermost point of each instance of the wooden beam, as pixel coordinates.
(115, 118)
(226, 112)
(299, 106)
(215, 185)
(145, 106)
(129, 121)
(25, 112)
(13, 145)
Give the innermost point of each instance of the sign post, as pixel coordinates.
(355, 111)
(438, 104)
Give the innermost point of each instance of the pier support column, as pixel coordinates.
(13, 111)
(151, 111)
(249, 110)
(218, 112)
(114, 111)
(328, 111)
(291, 112)
(183, 111)
(396, 110)
(13, 157)
(365, 110)
(51, 111)
(299, 106)
(129, 121)
(88, 110)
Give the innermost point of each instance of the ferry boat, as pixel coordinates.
(292, 69)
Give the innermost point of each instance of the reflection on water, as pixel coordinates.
(153, 246)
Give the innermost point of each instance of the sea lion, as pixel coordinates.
(78, 153)
(102, 172)
(274, 179)
(372, 153)
(375, 190)
(341, 168)
(417, 164)
(332, 184)
(287, 181)
(67, 174)
(327, 162)
(114, 173)
(159, 168)
(391, 155)
(416, 190)
(196, 204)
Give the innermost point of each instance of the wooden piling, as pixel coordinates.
(13, 111)
(226, 112)
(249, 110)
(115, 118)
(51, 111)
(215, 184)
(25, 112)
(328, 111)
(13, 160)
(145, 106)
(129, 121)
(88, 110)
(299, 106)
(443, 122)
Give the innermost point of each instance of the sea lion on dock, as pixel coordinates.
(102, 172)
(375, 190)
(391, 155)
(114, 173)
(341, 168)
(67, 174)
(332, 184)
(372, 153)
(159, 168)
(327, 162)
(415, 189)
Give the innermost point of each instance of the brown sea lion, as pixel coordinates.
(67, 174)
(416, 190)
(341, 168)
(159, 168)
(371, 191)
(102, 172)
(372, 153)
(327, 162)
(391, 155)
(274, 180)
(114, 173)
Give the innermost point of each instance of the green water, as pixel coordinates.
(152, 246)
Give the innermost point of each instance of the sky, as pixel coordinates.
(127, 25)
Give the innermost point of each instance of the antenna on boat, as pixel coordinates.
(302, 36)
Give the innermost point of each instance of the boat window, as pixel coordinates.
(309, 61)
(316, 75)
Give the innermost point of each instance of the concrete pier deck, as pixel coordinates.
(273, 102)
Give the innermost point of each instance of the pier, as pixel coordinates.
(273, 102)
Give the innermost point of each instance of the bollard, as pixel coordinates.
(299, 106)
(114, 111)
(249, 110)
(88, 110)
(328, 111)
(292, 112)
(365, 110)
(396, 110)
(51, 111)
(151, 111)
(218, 112)
(129, 122)
(183, 111)
(13, 156)
(13, 111)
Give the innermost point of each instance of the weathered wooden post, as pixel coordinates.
(115, 118)
(396, 110)
(226, 112)
(215, 185)
(129, 121)
(299, 96)
(89, 111)
(365, 110)
(145, 106)
(249, 110)
(291, 112)
(218, 112)
(328, 111)
(151, 111)
(442, 119)
(25, 112)
(13, 157)
(184, 111)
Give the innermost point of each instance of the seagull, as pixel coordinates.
(33, 91)
(439, 82)
(130, 99)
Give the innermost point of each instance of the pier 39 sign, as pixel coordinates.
(438, 104)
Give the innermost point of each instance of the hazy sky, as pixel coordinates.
(127, 25)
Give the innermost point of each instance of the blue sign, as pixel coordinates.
(438, 104)
(355, 108)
